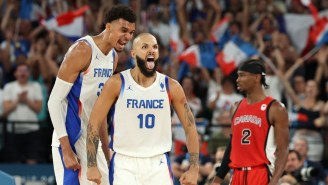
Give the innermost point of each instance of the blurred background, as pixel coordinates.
(201, 44)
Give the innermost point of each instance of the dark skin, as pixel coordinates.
(278, 118)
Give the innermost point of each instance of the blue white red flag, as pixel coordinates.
(234, 52)
(69, 24)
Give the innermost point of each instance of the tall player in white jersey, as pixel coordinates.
(141, 133)
(86, 67)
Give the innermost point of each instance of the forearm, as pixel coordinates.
(9, 107)
(103, 135)
(279, 165)
(64, 143)
(193, 146)
(55, 106)
(92, 144)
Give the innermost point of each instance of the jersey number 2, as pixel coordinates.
(245, 139)
(148, 120)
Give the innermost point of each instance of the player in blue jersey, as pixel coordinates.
(141, 135)
(88, 64)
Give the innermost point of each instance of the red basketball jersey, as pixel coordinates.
(252, 135)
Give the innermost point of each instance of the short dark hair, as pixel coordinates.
(118, 12)
(298, 155)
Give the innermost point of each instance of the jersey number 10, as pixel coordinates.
(148, 120)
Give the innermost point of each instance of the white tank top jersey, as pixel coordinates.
(141, 118)
(85, 91)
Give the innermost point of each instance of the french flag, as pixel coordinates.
(191, 56)
(220, 30)
(307, 31)
(318, 35)
(234, 52)
(199, 55)
(69, 24)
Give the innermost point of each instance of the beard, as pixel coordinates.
(144, 70)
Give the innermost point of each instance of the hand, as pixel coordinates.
(22, 97)
(93, 174)
(190, 177)
(216, 181)
(70, 160)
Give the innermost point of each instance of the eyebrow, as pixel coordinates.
(142, 44)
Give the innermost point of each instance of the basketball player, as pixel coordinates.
(141, 129)
(87, 65)
(258, 149)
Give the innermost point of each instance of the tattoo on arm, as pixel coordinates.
(92, 146)
(194, 159)
(188, 114)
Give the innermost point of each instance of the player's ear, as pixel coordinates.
(108, 26)
(133, 54)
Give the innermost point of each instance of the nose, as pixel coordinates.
(237, 80)
(128, 36)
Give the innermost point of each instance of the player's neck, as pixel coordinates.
(104, 47)
(141, 79)
(255, 96)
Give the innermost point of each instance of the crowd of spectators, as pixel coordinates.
(30, 56)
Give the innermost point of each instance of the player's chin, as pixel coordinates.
(119, 48)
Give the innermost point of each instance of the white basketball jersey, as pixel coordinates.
(85, 91)
(141, 118)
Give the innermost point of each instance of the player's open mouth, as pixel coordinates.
(150, 62)
(121, 43)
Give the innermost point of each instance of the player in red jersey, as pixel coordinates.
(258, 148)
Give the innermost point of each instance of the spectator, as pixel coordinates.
(221, 135)
(296, 173)
(188, 84)
(22, 102)
(218, 160)
(223, 100)
(302, 147)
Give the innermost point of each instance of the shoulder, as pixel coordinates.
(277, 111)
(277, 106)
(9, 85)
(115, 80)
(174, 84)
(77, 58)
(79, 49)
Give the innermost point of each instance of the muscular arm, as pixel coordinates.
(278, 117)
(186, 117)
(77, 59)
(99, 112)
(187, 120)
